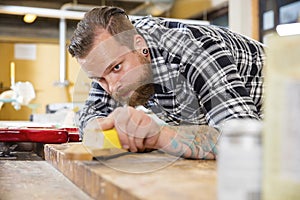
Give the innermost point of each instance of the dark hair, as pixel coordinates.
(112, 19)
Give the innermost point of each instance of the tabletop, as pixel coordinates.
(154, 175)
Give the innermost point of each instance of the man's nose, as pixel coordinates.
(110, 88)
(106, 84)
(111, 84)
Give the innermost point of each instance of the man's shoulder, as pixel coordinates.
(175, 25)
(144, 22)
(149, 22)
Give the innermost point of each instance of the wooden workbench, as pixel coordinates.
(138, 176)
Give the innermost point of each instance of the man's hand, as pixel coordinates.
(137, 131)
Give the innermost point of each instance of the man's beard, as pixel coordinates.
(142, 89)
(141, 95)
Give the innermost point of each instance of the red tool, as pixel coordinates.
(42, 135)
(73, 134)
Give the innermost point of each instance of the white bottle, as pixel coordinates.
(239, 160)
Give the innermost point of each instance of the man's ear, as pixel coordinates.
(139, 43)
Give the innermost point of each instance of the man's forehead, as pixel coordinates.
(107, 49)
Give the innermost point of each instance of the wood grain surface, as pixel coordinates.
(154, 175)
(35, 180)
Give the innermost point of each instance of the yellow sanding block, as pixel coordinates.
(95, 143)
(95, 138)
(111, 139)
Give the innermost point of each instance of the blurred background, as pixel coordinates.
(34, 46)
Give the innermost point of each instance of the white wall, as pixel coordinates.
(218, 2)
(240, 16)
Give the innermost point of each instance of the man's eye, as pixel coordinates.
(117, 68)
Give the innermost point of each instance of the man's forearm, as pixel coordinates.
(196, 142)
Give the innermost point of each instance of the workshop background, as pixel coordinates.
(38, 49)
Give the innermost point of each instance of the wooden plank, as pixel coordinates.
(35, 180)
(138, 176)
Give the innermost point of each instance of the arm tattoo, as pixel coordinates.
(195, 142)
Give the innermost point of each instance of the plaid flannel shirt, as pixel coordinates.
(203, 74)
